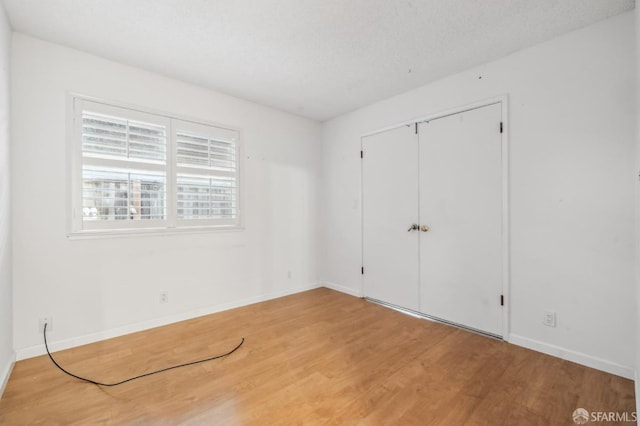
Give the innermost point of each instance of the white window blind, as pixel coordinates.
(199, 151)
(206, 169)
(138, 170)
(105, 136)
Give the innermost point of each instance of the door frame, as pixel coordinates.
(503, 100)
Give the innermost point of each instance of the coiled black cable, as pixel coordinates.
(136, 377)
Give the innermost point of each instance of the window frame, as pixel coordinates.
(77, 227)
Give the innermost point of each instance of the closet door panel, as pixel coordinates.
(389, 208)
(461, 204)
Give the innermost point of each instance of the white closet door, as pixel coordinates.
(461, 203)
(389, 208)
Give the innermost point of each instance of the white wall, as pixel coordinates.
(102, 287)
(6, 297)
(571, 130)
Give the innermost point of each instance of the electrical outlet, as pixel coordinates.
(549, 319)
(289, 274)
(164, 297)
(45, 320)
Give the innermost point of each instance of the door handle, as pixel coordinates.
(413, 227)
(424, 228)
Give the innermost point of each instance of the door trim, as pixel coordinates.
(503, 100)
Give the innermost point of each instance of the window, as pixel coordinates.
(134, 170)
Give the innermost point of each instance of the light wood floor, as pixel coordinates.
(318, 357)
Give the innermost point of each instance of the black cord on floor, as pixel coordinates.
(136, 377)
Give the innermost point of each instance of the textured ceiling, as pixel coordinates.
(315, 58)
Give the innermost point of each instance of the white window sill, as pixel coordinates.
(127, 233)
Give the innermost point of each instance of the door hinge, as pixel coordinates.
(502, 300)
(362, 270)
(416, 128)
(361, 154)
(501, 127)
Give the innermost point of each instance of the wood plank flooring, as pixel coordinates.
(318, 357)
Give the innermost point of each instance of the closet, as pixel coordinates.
(434, 228)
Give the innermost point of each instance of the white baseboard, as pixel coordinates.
(6, 373)
(37, 350)
(573, 356)
(546, 348)
(342, 289)
(557, 351)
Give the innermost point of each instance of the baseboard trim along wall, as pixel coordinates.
(573, 356)
(546, 348)
(59, 345)
(343, 289)
(6, 373)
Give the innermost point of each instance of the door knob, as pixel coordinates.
(424, 228)
(413, 227)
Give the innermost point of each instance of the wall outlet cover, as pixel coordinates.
(549, 319)
(45, 320)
